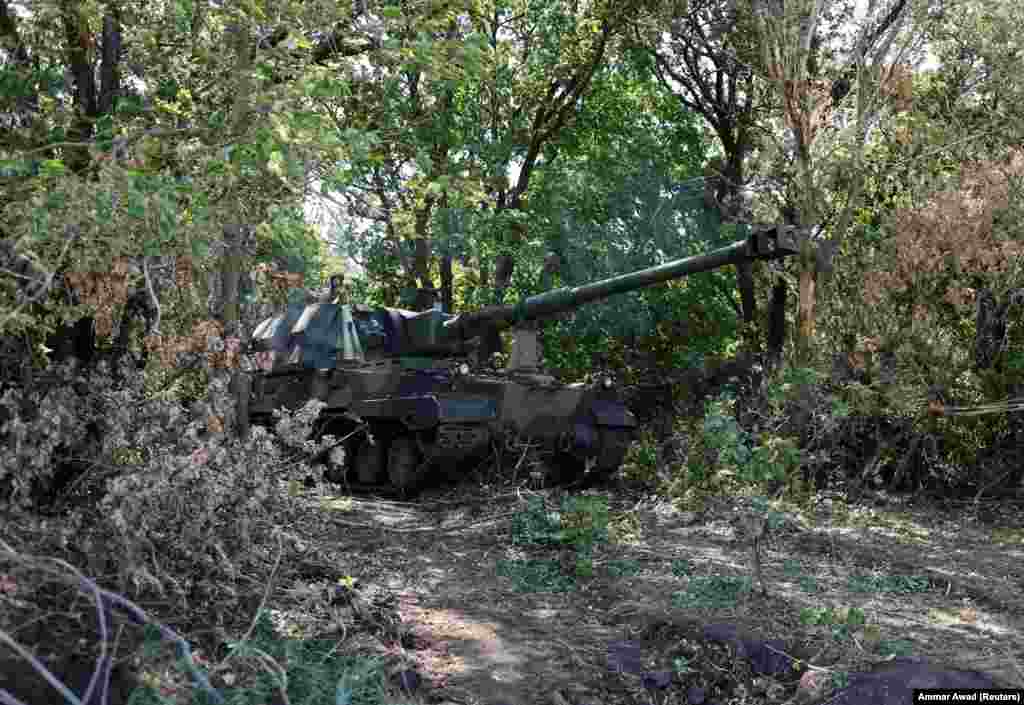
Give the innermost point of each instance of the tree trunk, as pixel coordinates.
(490, 342)
(421, 260)
(726, 200)
(235, 240)
(80, 44)
(806, 263)
(447, 285)
(91, 101)
(805, 315)
(745, 282)
(990, 327)
(229, 291)
(777, 320)
(230, 276)
(991, 321)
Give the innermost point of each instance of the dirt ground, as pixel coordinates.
(942, 582)
(442, 587)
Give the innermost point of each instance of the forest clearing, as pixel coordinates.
(511, 352)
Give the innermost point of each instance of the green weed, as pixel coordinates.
(536, 576)
(829, 616)
(623, 567)
(310, 672)
(791, 568)
(895, 647)
(809, 584)
(682, 567)
(712, 592)
(581, 521)
(899, 584)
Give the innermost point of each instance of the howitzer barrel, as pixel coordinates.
(765, 244)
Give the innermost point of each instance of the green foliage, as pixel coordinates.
(682, 567)
(899, 584)
(311, 673)
(286, 238)
(582, 521)
(809, 584)
(760, 506)
(855, 618)
(536, 575)
(625, 528)
(483, 93)
(675, 326)
(536, 525)
(963, 438)
(681, 665)
(712, 592)
(725, 457)
(221, 138)
(184, 386)
(641, 461)
(791, 568)
(623, 567)
(895, 647)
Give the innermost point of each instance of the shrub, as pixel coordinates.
(41, 427)
(712, 592)
(307, 671)
(641, 462)
(724, 457)
(182, 496)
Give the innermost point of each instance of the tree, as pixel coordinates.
(873, 68)
(147, 149)
(704, 59)
(951, 240)
(510, 80)
(626, 194)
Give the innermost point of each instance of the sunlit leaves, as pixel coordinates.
(50, 168)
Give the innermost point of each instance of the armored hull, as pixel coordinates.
(404, 377)
(444, 416)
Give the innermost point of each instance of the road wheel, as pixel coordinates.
(613, 444)
(339, 459)
(371, 462)
(564, 469)
(404, 465)
(338, 462)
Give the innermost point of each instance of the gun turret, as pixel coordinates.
(327, 332)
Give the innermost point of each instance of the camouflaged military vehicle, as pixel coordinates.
(410, 379)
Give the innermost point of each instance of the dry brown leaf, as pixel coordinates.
(969, 615)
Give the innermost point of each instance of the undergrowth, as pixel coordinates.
(263, 666)
(182, 513)
(197, 518)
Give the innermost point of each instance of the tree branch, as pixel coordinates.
(563, 107)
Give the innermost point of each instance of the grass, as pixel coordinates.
(557, 548)
(299, 672)
(536, 575)
(712, 592)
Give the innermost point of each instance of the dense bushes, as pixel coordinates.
(171, 488)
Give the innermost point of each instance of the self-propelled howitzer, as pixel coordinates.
(405, 376)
